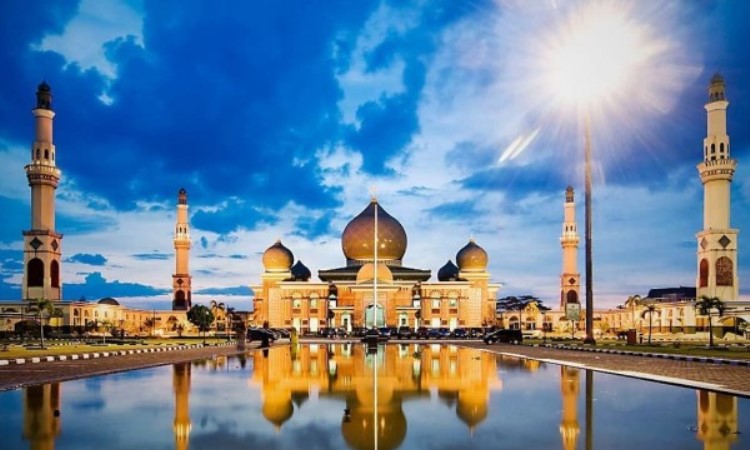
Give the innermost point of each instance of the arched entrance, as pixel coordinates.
(379, 316)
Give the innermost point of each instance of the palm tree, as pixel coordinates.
(42, 305)
(705, 305)
(650, 309)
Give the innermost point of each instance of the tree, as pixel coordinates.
(705, 305)
(513, 303)
(202, 317)
(149, 322)
(41, 306)
(105, 325)
(650, 309)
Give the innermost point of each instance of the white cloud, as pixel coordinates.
(97, 23)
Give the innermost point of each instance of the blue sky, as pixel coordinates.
(279, 117)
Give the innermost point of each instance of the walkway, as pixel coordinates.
(729, 377)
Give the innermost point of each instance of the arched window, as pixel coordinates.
(54, 273)
(721, 148)
(703, 273)
(713, 148)
(179, 300)
(572, 297)
(46, 154)
(38, 153)
(35, 272)
(724, 272)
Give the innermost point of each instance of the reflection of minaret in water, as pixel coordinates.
(717, 420)
(569, 386)
(41, 418)
(181, 386)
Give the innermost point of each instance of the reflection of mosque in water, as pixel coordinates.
(460, 377)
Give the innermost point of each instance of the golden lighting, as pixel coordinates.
(597, 53)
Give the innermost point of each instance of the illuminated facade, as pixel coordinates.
(463, 296)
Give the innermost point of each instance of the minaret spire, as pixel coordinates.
(182, 296)
(42, 246)
(717, 243)
(570, 279)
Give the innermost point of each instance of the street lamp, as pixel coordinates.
(593, 60)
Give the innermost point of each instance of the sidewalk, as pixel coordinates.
(721, 375)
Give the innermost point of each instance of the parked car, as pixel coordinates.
(359, 332)
(433, 333)
(460, 333)
(444, 333)
(385, 332)
(405, 332)
(423, 333)
(258, 334)
(476, 333)
(504, 335)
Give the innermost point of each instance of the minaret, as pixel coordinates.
(42, 250)
(182, 296)
(717, 243)
(41, 416)
(717, 420)
(181, 386)
(570, 279)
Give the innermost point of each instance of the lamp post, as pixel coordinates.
(589, 257)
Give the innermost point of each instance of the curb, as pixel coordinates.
(39, 359)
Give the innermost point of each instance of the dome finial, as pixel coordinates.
(373, 194)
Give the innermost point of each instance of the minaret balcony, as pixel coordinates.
(719, 169)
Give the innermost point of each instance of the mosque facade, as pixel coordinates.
(374, 287)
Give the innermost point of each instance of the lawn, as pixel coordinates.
(31, 348)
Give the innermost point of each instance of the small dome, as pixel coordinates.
(300, 272)
(472, 257)
(358, 236)
(717, 79)
(44, 87)
(367, 273)
(472, 407)
(278, 258)
(449, 272)
(108, 301)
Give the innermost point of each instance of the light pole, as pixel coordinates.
(589, 258)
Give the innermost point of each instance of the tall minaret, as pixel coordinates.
(182, 295)
(570, 279)
(42, 251)
(717, 243)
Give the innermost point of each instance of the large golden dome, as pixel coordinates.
(278, 258)
(472, 257)
(358, 236)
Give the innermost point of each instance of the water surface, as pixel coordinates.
(323, 397)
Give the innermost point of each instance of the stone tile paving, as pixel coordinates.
(727, 376)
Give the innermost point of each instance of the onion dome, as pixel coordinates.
(472, 257)
(366, 274)
(449, 272)
(108, 301)
(278, 258)
(357, 239)
(300, 272)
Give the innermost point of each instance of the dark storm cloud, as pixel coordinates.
(151, 256)
(231, 217)
(96, 286)
(235, 290)
(85, 258)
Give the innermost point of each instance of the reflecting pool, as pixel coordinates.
(339, 396)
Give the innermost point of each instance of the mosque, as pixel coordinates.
(374, 287)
